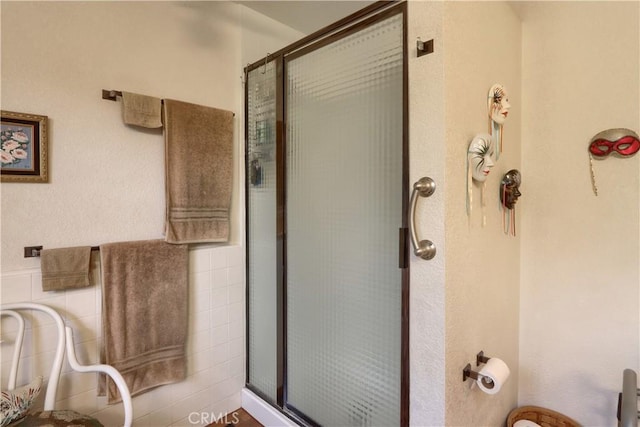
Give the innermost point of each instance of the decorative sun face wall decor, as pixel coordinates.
(619, 142)
(479, 163)
(498, 107)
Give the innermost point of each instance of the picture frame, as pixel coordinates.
(24, 147)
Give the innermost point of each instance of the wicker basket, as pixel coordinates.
(544, 417)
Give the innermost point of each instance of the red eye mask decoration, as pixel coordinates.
(619, 142)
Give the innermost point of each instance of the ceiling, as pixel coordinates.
(306, 16)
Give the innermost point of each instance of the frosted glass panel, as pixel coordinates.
(261, 213)
(344, 115)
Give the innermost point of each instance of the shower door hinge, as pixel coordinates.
(403, 258)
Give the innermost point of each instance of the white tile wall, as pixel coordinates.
(215, 346)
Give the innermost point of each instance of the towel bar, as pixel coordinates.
(34, 251)
(112, 95)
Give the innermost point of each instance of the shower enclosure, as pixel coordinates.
(327, 190)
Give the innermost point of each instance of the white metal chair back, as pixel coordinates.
(65, 336)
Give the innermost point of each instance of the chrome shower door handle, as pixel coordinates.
(424, 249)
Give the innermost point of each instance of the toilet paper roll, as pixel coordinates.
(526, 423)
(493, 375)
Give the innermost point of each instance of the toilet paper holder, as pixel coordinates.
(468, 373)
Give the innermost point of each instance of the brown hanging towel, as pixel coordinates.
(199, 172)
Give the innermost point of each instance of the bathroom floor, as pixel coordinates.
(243, 420)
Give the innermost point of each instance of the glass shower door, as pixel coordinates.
(344, 206)
(262, 243)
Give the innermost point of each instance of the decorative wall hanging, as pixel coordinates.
(620, 142)
(479, 164)
(509, 193)
(24, 139)
(498, 108)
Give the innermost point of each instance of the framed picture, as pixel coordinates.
(24, 143)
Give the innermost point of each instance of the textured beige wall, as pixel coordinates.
(580, 253)
(107, 179)
(426, 133)
(482, 46)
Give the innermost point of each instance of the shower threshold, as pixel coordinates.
(264, 413)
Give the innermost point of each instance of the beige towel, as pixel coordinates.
(199, 172)
(141, 110)
(65, 268)
(144, 313)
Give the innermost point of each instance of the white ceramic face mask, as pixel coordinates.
(479, 157)
(498, 103)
